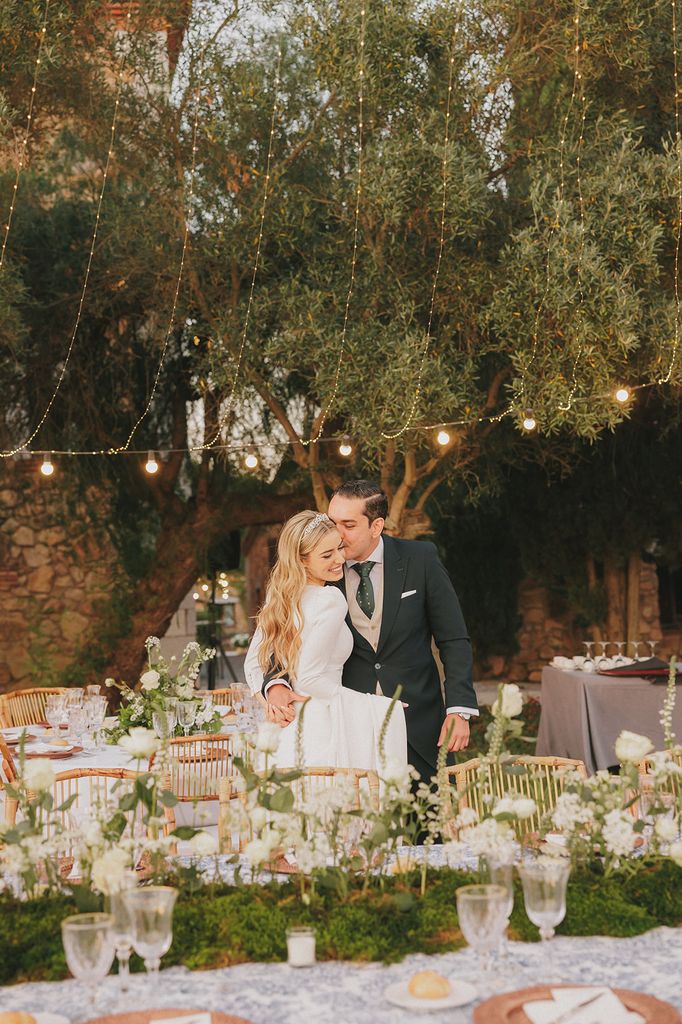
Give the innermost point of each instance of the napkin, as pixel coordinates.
(607, 1009)
(566, 663)
(191, 1018)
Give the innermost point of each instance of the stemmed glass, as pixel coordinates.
(600, 659)
(88, 941)
(122, 932)
(164, 722)
(501, 873)
(151, 922)
(653, 644)
(619, 659)
(482, 913)
(636, 644)
(78, 723)
(544, 893)
(54, 712)
(187, 713)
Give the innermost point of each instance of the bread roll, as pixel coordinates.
(16, 1018)
(427, 985)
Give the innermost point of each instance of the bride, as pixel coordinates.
(302, 634)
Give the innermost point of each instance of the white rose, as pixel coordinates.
(630, 746)
(256, 852)
(509, 702)
(524, 808)
(666, 829)
(38, 775)
(466, 818)
(268, 737)
(110, 682)
(505, 805)
(111, 872)
(258, 817)
(203, 844)
(150, 679)
(396, 773)
(139, 743)
(675, 852)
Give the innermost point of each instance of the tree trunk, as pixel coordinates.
(592, 584)
(633, 570)
(614, 582)
(186, 534)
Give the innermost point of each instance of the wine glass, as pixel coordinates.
(588, 645)
(636, 644)
(151, 921)
(74, 697)
(78, 724)
(653, 644)
(164, 723)
(54, 713)
(501, 873)
(544, 893)
(619, 659)
(122, 932)
(187, 713)
(88, 941)
(482, 913)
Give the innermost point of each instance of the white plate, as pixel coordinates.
(16, 731)
(462, 993)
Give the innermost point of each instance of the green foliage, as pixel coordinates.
(219, 925)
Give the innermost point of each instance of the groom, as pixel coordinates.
(399, 597)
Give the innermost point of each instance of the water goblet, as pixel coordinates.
(187, 713)
(653, 644)
(88, 941)
(74, 697)
(544, 893)
(482, 913)
(588, 645)
(78, 724)
(151, 922)
(122, 932)
(93, 689)
(161, 721)
(619, 659)
(54, 713)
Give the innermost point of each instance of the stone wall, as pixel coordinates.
(54, 567)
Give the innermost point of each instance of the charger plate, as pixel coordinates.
(508, 1007)
(145, 1016)
(53, 755)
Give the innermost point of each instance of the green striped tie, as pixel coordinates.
(365, 594)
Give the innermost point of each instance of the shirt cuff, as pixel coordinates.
(279, 682)
(465, 711)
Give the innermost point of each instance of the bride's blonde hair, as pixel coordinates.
(281, 616)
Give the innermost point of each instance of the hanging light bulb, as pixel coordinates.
(529, 421)
(195, 596)
(345, 448)
(204, 587)
(251, 460)
(47, 468)
(151, 464)
(443, 437)
(623, 395)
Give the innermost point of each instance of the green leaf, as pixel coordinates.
(282, 801)
(185, 832)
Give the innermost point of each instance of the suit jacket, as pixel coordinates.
(419, 603)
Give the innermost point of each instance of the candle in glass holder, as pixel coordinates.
(300, 946)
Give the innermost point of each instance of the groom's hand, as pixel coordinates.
(456, 731)
(280, 700)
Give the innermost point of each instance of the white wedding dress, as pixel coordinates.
(341, 727)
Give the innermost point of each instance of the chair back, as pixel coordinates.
(26, 707)
(542, 779)
(224, 697)
(673, 785)
(8, 775)
(196, 764)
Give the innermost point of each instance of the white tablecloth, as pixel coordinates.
(344, 993)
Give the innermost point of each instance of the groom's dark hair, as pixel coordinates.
(376, 502)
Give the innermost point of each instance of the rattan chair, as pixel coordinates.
(669, 786)
(225, 697)
(8, 776)
(196, 765)
(541, 779)
(310, 781)
(26, 707)
(91, 787)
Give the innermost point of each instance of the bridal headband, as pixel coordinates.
(321, 517)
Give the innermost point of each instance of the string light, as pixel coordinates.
(581, 211)
(47, 467)
(678, 149)
(24, 145)
(204, 587)
(183, 255)
(195, 596)
(151, 464)
(256, 265)
(251, 459)
(556, 222)
(345, 448)
(86, 279)
(443, 438)
(441, 244)
(623, 395)
(322, 418)
(529, 421)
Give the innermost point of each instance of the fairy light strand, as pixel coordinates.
(183, 255)
(105, 173)
(441, 244)
(678, 144)
(27, 133)
(556, 221)
(256, 265)
(581, 214)
(356, 228)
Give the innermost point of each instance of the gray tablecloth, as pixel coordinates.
(342, 993)
(583, 714)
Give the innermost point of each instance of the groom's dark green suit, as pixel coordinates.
(419, 602)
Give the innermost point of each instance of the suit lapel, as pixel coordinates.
(394, 576)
